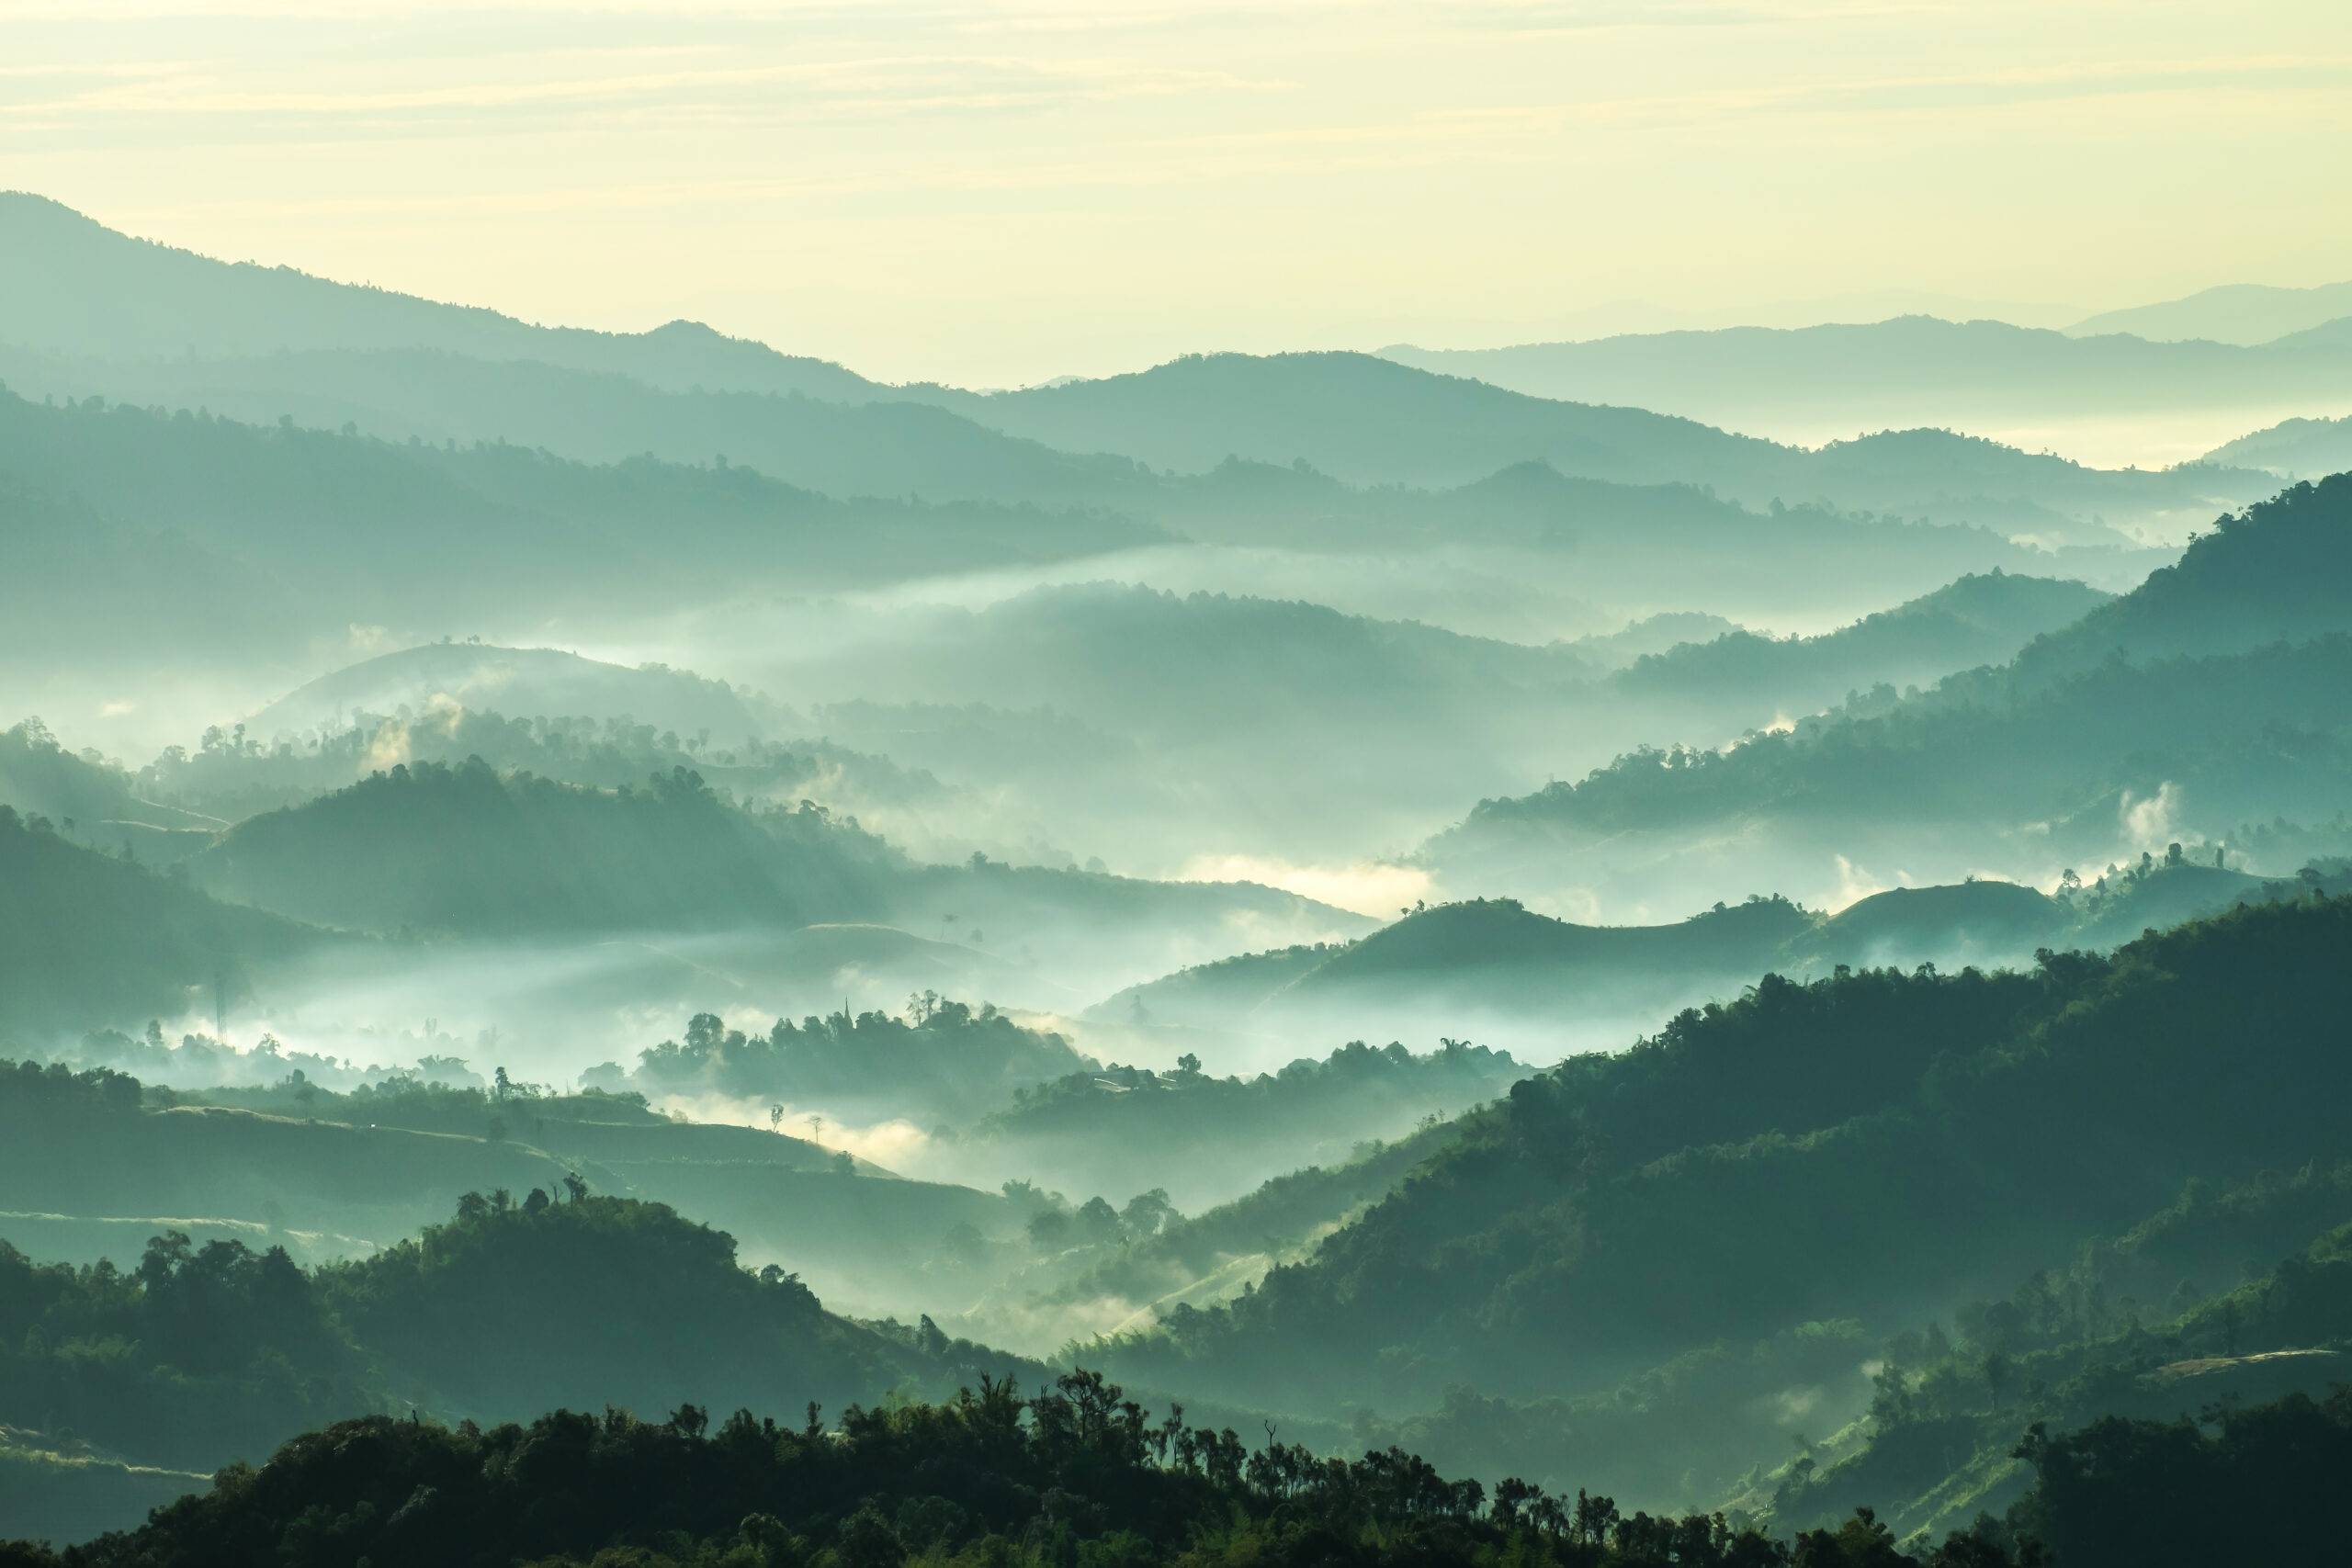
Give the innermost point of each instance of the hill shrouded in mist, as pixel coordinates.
(2293, 449)
(2232, 312)
(441, 849)
(1978, 620)
(91, 939)
(2204, 689)
(329, 354)
(1908, 370)
(646, 872)
(1568, 1238)
(415, 532)
(1491, 969)
(532, 682)
(75, 287)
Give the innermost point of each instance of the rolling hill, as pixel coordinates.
(262, 343)
(1874, 1144)
(91, 940)
(2205, 687)
(1911, 370)
(418, 533)
(2293, 449)
(72, 286)
(461, 850)
(1492, 969)
(518, 681)
(1374, 421)
(1976, 620)
(2234, 312)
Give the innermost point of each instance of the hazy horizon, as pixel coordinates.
(1699, 897)
(1035, 190)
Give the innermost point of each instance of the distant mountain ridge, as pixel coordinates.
(1907, 370)
(525, 682)
(1481, 964)
(160, 300)
(2232, 312)
(2205, 687)
(1561, 1241)
(2293, 449)
(269, 342)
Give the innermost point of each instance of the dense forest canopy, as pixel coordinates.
(1714, 947)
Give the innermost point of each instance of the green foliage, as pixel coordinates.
(1077, 1473)
(2213, 676)
(1842, 1147)
(420, 530)
(237, 776)
(207, 1353)
(94, 937)
(199, 1354)
(1980, 619)
(436, 848)
(945, 1058)
(2125, 1492)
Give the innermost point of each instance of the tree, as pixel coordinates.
(1146, 1213)
(1097, 1221)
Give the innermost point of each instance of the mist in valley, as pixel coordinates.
(1742, 922)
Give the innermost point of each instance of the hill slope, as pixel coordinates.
(1976, 620)
(2293, 449)
(73, 285)
(91, 940)
(523, 681)
(2234, 312)
(1912, 370)
(1864, 1145)
(2206, 687)
(437, 848)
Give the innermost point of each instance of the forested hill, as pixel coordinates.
(461, 848)
(2214, 676)
(37, 776)
(1980, 619)
(1372, 421)
(520, 1303)
(1857, 1147)
(523, 681)
(89, 936)
(1080, 1472)
(1466, 966)
(2279, 571)
(394, 527)
(2294, 448)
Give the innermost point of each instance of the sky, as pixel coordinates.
(996, 193)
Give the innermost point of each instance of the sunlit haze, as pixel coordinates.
(996, 193)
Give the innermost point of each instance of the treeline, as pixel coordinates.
(431, 847)
(1080, 1473)
(233, 775)
(2214, 676)
(1857, 1147)
(1212, 1138)
(88, 936)
(942, 1059)
(204, 1354)
(1175, 1110)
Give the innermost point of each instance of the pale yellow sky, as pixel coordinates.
(997, 193)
